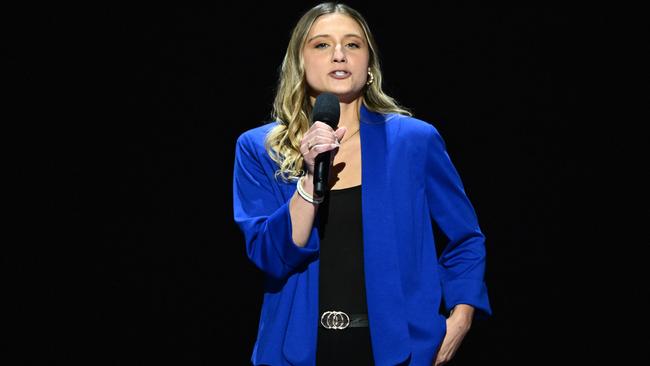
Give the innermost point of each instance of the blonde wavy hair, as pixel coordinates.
(292, 106)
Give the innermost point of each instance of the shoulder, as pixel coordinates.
(398, 123)
(410, 126)
(253, 139)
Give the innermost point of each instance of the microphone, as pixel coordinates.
(327, 110)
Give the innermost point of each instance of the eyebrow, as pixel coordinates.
(327, 35)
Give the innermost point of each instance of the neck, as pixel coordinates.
(349, 117)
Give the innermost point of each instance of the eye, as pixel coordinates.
(353, 45)
(321, 45)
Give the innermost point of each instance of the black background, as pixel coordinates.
(138, 111)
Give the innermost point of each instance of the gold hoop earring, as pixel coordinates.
(371, 78)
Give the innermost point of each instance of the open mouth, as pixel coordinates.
(340, 74)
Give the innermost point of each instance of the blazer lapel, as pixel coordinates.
(388, 325)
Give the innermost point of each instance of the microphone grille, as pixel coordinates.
(327, 109)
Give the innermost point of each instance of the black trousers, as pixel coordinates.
(350, 346)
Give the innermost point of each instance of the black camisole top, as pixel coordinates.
(341, 278)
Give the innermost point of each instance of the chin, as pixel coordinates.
(349, 98)
(345, 94)
(349, 95)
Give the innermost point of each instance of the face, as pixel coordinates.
(336, 57)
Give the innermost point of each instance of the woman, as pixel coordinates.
(363, 257)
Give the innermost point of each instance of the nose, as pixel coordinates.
(339, 55)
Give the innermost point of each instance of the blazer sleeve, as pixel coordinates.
(462, 261)
(263, 218)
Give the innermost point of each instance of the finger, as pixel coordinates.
(340, 132)
(320, 128)
(323, 148)
(304, 149)
(323, 134)
(321, 125)
(305, 146)
(319, 140)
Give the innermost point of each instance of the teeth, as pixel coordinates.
(340, 73)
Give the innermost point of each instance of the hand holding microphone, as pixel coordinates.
(321, 139)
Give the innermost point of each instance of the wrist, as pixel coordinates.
(308, 183)
(305, 188)
(463, 312)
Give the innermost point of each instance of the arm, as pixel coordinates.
(458, 325)
(462, 262)
(267, 227)
(302, 213)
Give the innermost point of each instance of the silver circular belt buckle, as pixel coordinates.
(335, 320)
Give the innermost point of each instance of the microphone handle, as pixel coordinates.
(321, 173)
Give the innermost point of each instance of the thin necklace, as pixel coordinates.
(349, 137)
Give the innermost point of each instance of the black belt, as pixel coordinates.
(340, 320)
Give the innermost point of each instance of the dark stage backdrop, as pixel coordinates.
(522, 94)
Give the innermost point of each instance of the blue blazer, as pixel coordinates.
(408, 180)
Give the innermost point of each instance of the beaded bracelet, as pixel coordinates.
(308, 197)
